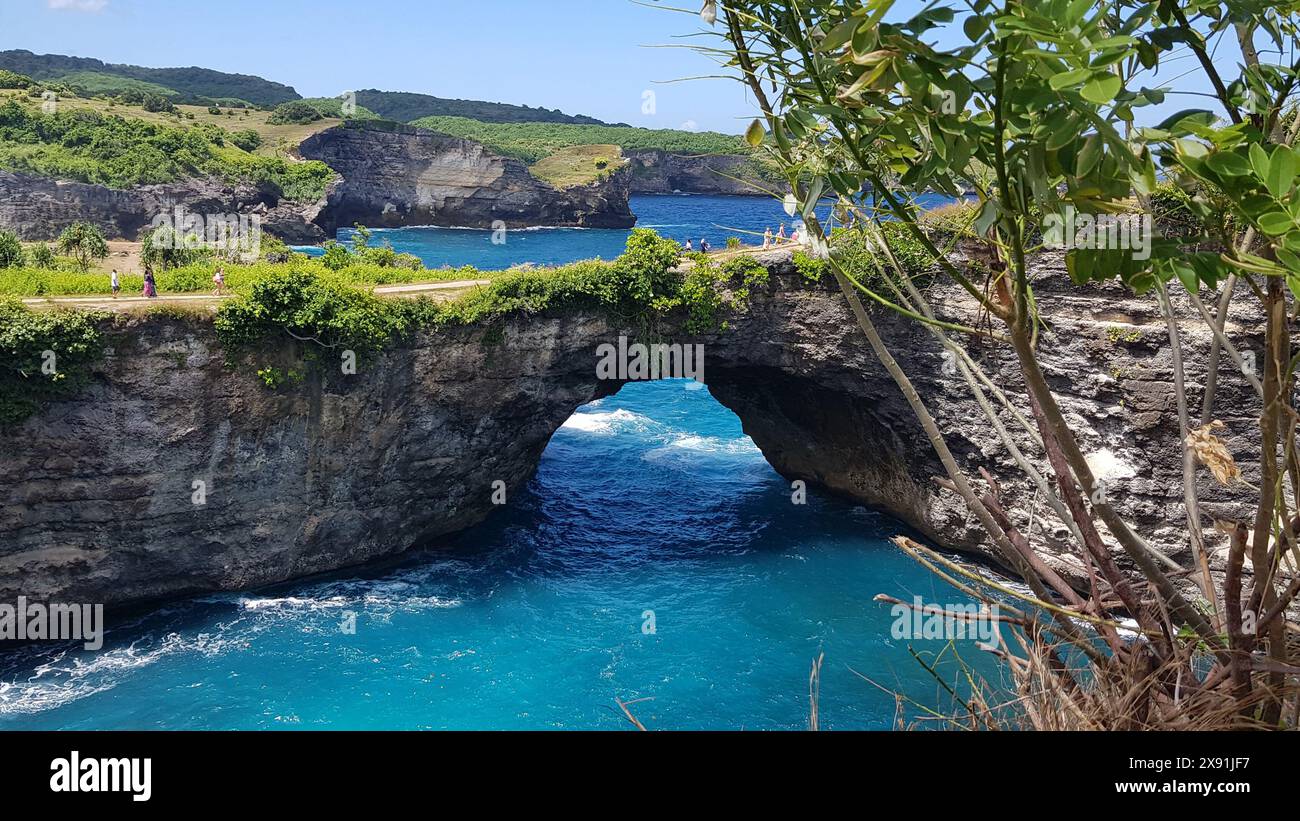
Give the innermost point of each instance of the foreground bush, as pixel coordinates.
(44, 356)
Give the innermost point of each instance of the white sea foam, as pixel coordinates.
(611, 422)
(66, 678)
(713, 444)
(67, 675)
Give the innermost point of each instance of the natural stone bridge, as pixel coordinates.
(97, 494)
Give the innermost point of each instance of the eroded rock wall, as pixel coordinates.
(97, 494)
(400, 175)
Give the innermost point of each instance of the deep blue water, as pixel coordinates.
(679, 217)
(650, 500)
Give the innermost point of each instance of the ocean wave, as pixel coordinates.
(610, 422)
(70, 675)
(713, 444)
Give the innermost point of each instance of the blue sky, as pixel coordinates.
(594, 57)
(581, 56)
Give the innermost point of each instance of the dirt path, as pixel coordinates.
(438, 290)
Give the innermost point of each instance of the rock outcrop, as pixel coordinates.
(39, 208)
(395, 175)
(659, 172)
(175, 474)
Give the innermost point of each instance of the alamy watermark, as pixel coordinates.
(951, 622)
(233, 235)
(34, 621)
(659, 360)
(1128, 232)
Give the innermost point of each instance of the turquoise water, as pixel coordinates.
(679, 217)
(650, 500)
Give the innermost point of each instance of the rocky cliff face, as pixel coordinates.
(658, 172)
(99, 501)
(37, 208)
(400, 175)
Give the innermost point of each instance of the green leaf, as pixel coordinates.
(987, 216)
(974, 27)
(1259, 161)
(1228, 164)
(840, 35)
(1187, 276)
(1290, 260)
(1090, 155)
(1276, 223)
(1281, 171)
(755, 133)
(1101, 89)
(1069, 78)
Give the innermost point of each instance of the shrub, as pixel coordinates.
(293, 113)
(42, 256)
(161, 248)
(118, 152)
(84, 242)
(248, 139)
(44, 356)
(810, 268)
(9, 79)
(310, 308)
(336, 256)
(158, 104)
(11, 250)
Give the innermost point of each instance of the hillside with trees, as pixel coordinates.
(406, 107)
(190, 84)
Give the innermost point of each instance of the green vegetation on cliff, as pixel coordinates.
(44, 356)
(180, 84)
(91, 147)
(531, 142)
(405, 107)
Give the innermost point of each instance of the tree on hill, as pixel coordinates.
(294, 113)
(84, 243)
(9, 79)
(404, 107)
(188, 83)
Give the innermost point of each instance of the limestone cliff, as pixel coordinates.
(659, 172)
(396, 175)
(97, 494)
(39, 208)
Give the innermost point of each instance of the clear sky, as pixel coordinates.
(580, 56)
(593, 57)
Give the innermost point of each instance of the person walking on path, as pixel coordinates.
(704, 245)
(115, 282)
(150, 287)
(767, 238)
(780, 235)
(689, 247)
(219, 279)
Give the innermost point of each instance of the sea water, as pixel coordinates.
(655, 559)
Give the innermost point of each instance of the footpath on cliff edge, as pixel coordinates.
(445, 291)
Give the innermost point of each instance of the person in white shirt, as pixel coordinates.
(115, 282)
